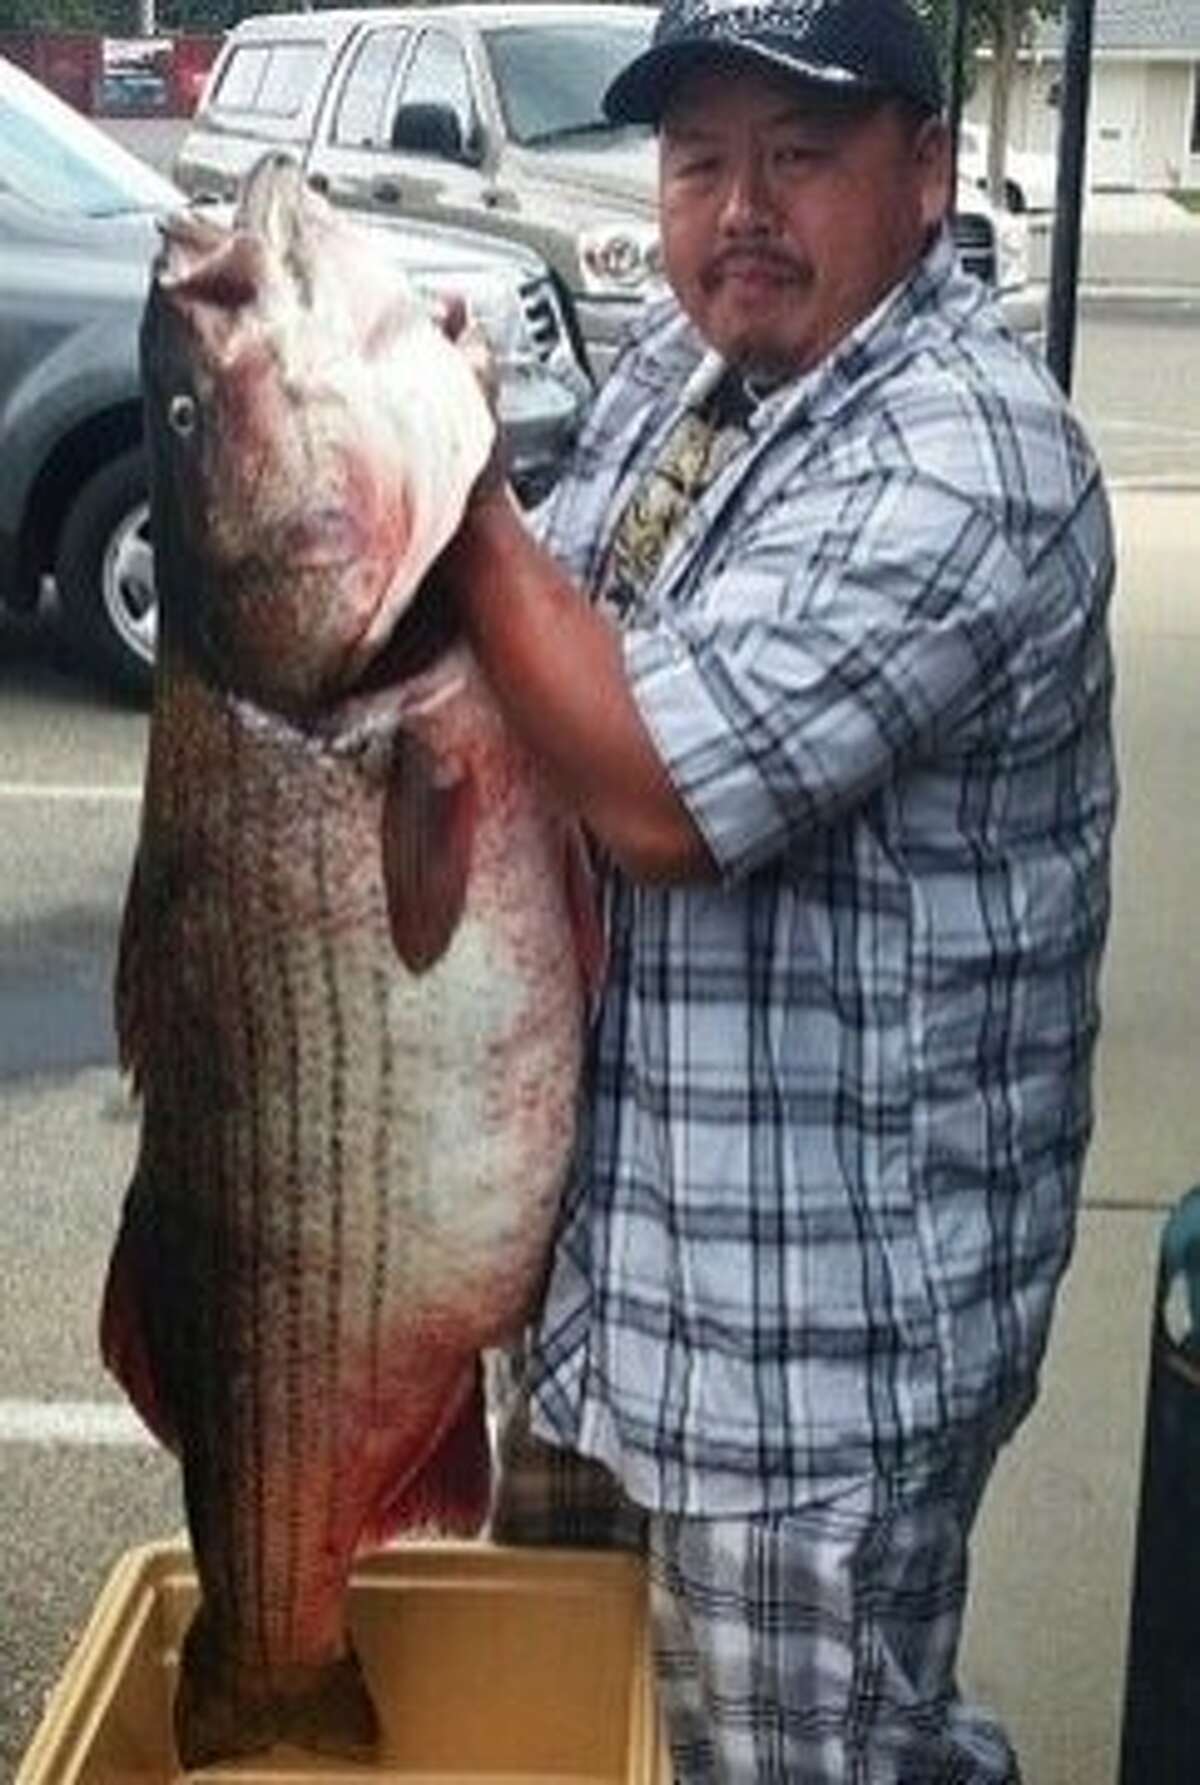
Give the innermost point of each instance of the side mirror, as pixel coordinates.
(432, 129)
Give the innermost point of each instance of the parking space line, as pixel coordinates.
(110, 1423)
(1161, 430)
(1154, 483)
(68, 792)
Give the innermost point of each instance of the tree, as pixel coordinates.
(215, 15)
(1009, 26)
(112, 16)
(120, 18)
(1005, 27)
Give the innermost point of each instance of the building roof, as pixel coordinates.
(1155, 27)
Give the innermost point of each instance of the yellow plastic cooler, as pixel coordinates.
(489, 1667)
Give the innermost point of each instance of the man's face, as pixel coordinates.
(788, 213)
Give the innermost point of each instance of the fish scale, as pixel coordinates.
(354, 965)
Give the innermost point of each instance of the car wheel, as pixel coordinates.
(104, 574)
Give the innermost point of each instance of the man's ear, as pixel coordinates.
(932, 160)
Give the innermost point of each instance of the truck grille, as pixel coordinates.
(543, 318)
(976, 242)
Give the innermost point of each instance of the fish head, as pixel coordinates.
(313, 440)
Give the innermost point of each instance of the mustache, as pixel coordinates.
(762, 258)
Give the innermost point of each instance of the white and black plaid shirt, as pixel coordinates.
(839, 1102)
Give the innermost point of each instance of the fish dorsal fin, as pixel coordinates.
(125, 1340)
(128, 990)
(429, 816)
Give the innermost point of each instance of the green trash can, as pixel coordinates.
(1161, 1736)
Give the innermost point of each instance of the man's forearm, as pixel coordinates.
(557, 668)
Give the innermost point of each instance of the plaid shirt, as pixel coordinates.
(838, 1104)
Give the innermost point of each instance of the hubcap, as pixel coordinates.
(128, 583)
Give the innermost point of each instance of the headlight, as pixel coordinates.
(620, 260)
(1012, 250)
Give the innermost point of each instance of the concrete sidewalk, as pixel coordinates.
(1132, 241)
(1053, 1561)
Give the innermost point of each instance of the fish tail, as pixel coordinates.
(224, 1708)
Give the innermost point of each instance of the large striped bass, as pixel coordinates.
(349, 986)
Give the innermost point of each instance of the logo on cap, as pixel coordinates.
(734, 15)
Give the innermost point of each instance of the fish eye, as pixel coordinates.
(181, 414)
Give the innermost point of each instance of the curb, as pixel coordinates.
(1170, 484)
(1092, 290)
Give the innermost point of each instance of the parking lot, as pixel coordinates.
(80, 1483)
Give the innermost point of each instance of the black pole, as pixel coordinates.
(958, 81)
(1074, 94)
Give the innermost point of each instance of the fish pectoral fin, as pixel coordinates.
(124, 1338)
(429, 816)
(450, 1488)
(223, 1708)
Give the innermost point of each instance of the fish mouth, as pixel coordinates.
(273, 199)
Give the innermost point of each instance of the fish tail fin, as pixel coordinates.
(331, 1711)
(224, 1709)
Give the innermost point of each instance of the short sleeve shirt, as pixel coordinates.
(838, 1102)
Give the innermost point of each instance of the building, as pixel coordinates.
(113, 77)
(1144, 120)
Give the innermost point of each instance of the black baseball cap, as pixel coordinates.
(868, 47)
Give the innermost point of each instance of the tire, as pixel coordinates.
(104, 573)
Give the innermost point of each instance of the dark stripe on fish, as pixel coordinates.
(379, 1161)
(273, 879)
(242, 834)
(337, 1116)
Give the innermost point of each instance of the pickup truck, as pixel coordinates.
(489, 115)
(78, 233)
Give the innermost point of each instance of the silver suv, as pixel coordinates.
(78, 231)
(489, 115)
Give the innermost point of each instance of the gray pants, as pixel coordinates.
(809, 1648)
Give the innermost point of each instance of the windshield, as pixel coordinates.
(56, 160)
(551, 78)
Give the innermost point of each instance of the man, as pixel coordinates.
(814, 642)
